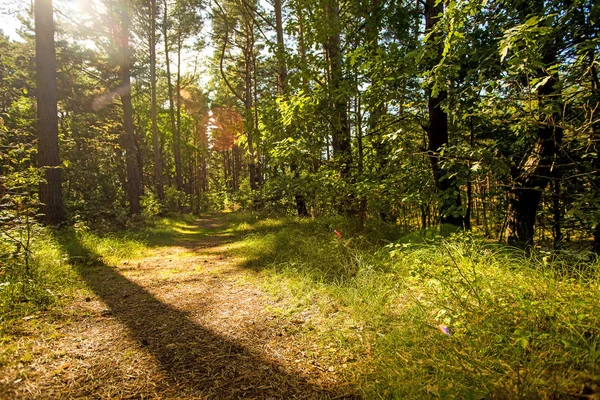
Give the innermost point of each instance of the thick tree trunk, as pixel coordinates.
(158, 179)
(437, 135)
(47, 124)
(128, 139)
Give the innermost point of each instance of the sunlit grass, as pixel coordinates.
(53, 255)
(519, 327)
(370, 308)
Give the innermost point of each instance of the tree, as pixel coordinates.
(134, 187)
(537, 169)
(160, 191)
(338, 99)
(437, 127)
(47, 127)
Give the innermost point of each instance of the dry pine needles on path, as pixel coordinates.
(183, 322)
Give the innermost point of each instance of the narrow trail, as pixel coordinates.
(185, 322)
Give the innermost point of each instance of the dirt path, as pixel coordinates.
(185, 323)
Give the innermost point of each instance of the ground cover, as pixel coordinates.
(245, 306)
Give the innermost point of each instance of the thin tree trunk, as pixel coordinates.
(362, 209)
(158, 179)
(47, 124)
(595, 85)
(176, 144)
(338, 101)
(133, 178)
(437, 135)
(283, 89)
(177, 139)
(257, 158)
(248, 50)
(469, 209)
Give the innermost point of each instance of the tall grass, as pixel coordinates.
(517, 326)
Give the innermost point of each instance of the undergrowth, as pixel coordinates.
(421, 316)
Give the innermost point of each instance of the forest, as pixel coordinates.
(321, 199)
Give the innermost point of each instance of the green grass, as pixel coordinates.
(50, 276)
(520, 327)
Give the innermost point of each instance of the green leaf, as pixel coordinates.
(504, 52)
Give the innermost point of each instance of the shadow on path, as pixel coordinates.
(198, 362)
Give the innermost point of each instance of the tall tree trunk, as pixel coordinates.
(283, 89)
(469, 209)
(47, 123)
(176, 144)
(534, 174)
(158, 179)
(595, 85)
(437, 133)
(134, 188)
(376, 111)
(338, 100)
(257, 158)
(249, 118)
(177, 133)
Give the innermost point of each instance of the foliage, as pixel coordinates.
(518, 326)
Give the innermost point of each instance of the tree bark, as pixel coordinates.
(437, 134)
(177, 133)
(176, 144)
(248, 50)
(283, 89)
(595, 85)
(47, 115)
(160, 190)
(338, 101)
(133, 175)
(534, 174)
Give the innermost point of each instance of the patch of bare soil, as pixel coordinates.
(185, 323)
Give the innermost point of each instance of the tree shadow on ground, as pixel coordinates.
(198, 363)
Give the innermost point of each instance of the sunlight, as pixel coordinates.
(78, 7)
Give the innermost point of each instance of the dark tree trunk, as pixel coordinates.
(469, 209)
(47, 124)
(338, 101)
(534, 174)
(248, 61)
(160, 191)
(437, 134)
(595, 85)
(134, 188)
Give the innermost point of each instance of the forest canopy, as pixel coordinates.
(471, 114)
